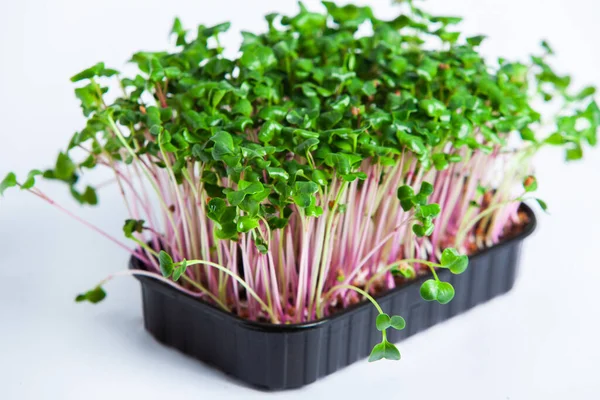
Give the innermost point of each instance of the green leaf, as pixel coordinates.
(426, 189)
(530, 184)
(429, 290)
(88, 196)
(319, 177)
(30, 181)
(398, 65)
(65, 168)
(397, 322)
(528, 135)
(306, 187)
(306, 21)
(215, 30)
(216, 208)
(246, 224)
(428, 69)
(407, 204)
(133, 225)
(278, 173)
(180, 270)
(440, 162)
(236, 197)
(250, 187)
(585, 93)
(432, 290)
(157, 73)
(94, 296)
(314, 211)
(304, 193)
(341, 104)
(10, 180)
(383, 322)
(166, 263)
(303, 133)
(434, 108)
(243, 107)
(350, 16)
(172, 72)
(445, 292)
(423, 230)
(178, 30)
(308, 90)
(93, 71)
(369, 88)
(268, 131)
(454, 261)
(405, 192)
(224, 149)
(475, 40)
(574, 153)
(226, 231)
(405, 271)
(430, 210)
(419, 199)
(555, 139)
(547, 47)
(384, 350)
(447, 20)
(542, 204)
(258, 58)
(329, 119)
(342, 163)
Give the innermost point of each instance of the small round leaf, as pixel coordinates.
(166, 263)
(94, 296)
(246, 224)
(405, 192)
(418, 230)
(429, 290)
(397, 322)
(179, 270)
(383, 322)
(430, 210)
(454, 261)
(445, 292)
(426, 189)
(9, 181)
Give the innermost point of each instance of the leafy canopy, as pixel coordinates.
(309, 101)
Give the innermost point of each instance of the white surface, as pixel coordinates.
(538, 342)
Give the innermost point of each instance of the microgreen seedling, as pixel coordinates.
(315, 160)
(93, 296)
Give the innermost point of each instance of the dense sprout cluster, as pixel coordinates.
(337, 152)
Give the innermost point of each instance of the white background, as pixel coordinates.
(538, 342)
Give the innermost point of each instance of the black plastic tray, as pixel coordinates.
(290, 356)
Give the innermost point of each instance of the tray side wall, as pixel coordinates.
(290, 358)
